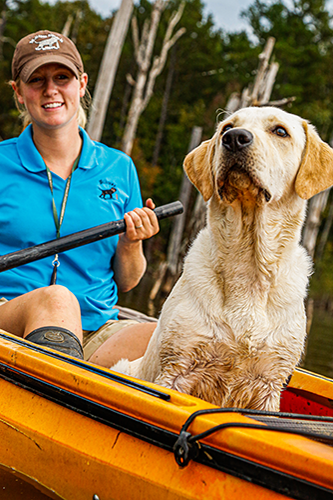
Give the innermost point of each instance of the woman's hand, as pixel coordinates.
(141, 223)
(129, 262)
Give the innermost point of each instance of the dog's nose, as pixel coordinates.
(236, 139)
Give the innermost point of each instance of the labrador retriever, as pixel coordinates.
(233, 328)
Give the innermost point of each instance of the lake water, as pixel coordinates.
(319, 353)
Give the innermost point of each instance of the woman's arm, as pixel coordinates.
(129, 263)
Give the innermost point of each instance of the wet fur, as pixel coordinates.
(233, 328)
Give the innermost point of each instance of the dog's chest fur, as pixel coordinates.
(252, 307)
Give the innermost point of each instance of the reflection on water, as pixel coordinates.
(319, 355)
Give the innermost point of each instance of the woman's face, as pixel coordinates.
(52, 96)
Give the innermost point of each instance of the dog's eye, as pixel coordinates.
(280, 131)
(226, 128)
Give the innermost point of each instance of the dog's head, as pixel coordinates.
(259, 154)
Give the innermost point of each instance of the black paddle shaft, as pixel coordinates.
(27, 255)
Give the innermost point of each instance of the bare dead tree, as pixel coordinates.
(66, 31)
(76, 25)
(67, 26)
(310, 235)
(324, 235)
(147, 72)
(108, 69)
(316, 207)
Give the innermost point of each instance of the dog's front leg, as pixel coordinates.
(256, 393)
(191, 383)
(200, 372)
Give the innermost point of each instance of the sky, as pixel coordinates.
(226, 13)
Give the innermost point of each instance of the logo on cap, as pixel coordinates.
(47, 42)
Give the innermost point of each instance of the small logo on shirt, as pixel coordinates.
(47, 42)
(108, 190)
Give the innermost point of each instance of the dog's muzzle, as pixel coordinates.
(237, 174)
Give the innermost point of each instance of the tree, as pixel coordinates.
(146, 76)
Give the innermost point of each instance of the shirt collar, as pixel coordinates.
(33, 161)
(88, 158)
(28, 153)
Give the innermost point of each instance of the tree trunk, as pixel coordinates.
(311, 229)
(67, 27)
(134, 115)
(77, 21)
(107, 72)
(325, 233)
(259, 87)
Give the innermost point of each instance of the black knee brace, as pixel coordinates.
(57, 338)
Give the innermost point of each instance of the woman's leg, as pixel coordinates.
(130, 343)
(49, 306)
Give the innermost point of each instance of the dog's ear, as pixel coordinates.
(198, 167)
(316, 171)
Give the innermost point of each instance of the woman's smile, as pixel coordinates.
(52, 105)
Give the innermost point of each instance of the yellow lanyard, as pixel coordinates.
(58, 220)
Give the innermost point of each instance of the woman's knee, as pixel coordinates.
(56, 296)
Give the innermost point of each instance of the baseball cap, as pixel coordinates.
(44, 47)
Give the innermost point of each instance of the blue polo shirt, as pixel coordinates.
(103, 188)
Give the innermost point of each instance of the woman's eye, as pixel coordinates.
(35, 79)
(280, 131)
(226, 128)
(62, 78)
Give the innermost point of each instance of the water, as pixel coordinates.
(319, 354)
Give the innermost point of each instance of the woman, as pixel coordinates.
(56, 181)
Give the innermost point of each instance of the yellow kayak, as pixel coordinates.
(71, 430)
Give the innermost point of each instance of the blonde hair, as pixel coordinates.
(26, 118)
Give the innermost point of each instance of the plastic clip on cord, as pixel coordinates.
(184, 449)
(55, 264)
(187, 447)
